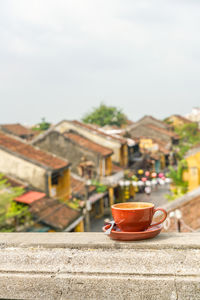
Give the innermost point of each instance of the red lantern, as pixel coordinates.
(147, 173)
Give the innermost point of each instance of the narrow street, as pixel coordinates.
(157, 197)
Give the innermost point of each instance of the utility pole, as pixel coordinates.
(87, 207)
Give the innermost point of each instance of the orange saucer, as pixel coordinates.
(149, 233)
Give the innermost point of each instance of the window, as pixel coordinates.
(54, 178)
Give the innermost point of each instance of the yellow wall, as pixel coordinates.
(125, 151)
(124, 155)
(162, 161)
(193, 173)
(62, 189)
(146, 143)
(108, 166)
(111, 195)
(175, 121)
(80, 227)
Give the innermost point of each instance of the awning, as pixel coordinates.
(30, 197)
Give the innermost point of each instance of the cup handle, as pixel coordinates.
(163, 219)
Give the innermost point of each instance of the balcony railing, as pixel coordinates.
(91, 266)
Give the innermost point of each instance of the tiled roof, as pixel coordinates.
(13, 182)
(89, 127)
(31, 153)
(30, 197)
(16, 129)
(78, 187)
(88, 144)
(53, 213)
(153, 119)
(162, 130)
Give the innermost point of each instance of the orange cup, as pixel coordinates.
(135, 216)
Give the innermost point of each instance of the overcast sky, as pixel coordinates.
(61, 58)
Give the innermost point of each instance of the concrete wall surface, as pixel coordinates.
(91, 266)
(23, 170)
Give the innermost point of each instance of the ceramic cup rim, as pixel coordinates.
(151, 205)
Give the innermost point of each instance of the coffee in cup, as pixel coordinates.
(135, 216)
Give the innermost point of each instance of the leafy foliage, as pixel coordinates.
(177, 193)
(176, 175)
(100, 188)
(105, 115)
(11, 213)
(42, 126)
(189, 136)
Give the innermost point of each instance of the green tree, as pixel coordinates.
(180, 187)
(42, 126)
(11, 213)
(105, 115)
(100, 188)
(189, 135)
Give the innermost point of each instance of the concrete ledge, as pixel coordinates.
(91, 266)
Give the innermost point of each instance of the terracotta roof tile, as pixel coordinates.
(162, 123)
(162, 130)
(29, 152)
(85, 143)
(87, 126)
(53, 213)
(163, 147)
(78, 187)
(17, 129)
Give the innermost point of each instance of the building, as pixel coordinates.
(177, 120)
(192, 175)
(116, 143)
(43, 171)
(158, 150)
(154, 132)
(88, 159)
(17, 130)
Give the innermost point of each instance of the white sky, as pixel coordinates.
(61, 58)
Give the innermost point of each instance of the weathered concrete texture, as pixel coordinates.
(91, 266)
